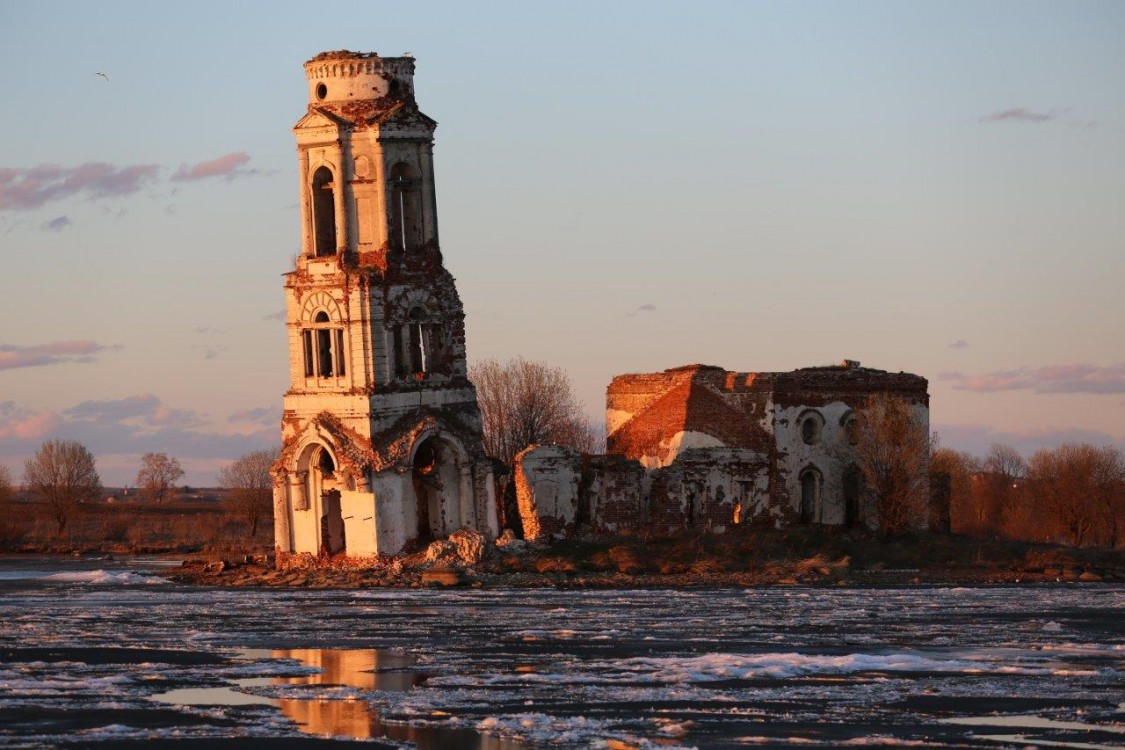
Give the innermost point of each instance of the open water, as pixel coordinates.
(105, 654)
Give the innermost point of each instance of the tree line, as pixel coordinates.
(62, 475)
(1074, 494)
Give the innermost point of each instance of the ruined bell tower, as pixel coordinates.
(381, 433)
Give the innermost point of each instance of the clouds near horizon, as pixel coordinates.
(52, 353)
(128, 427)
(33, 187)
(1072, 378)
(1022, 114)
(227, 167)
(27, 188)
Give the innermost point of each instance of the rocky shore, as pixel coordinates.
(466, 559)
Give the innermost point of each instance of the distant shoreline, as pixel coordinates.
(751, 558)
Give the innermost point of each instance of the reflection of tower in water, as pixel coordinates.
(358, 668)
(369, 669)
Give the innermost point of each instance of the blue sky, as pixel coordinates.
(622, 187)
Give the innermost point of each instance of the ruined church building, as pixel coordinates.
(381, 432)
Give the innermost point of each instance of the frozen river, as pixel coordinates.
(103, 654)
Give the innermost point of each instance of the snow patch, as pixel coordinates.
(103, 578)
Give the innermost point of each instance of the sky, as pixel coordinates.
(931, 187)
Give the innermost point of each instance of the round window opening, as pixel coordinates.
(321, 91)
(810, 429)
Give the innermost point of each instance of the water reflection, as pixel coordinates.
(368, 669)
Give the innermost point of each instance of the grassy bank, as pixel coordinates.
(180, 525)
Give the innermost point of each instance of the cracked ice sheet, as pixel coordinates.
(579, 668)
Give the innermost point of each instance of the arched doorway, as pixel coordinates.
(437, 474)
(317, 488)
(331, 518)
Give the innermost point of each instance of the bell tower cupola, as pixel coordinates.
(366, 162)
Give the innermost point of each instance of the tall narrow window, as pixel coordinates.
(340, 351)
(435, 348)
(415, 335)
(324, 352)
(324, 212)
(406, 215)
(417, 353)
(400, 358)
(310, 362)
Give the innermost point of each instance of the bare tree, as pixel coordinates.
(1081, 487)
(250, 487)
(11, 531)
(62, 474)
(158, 473)
(893, 450)
(1002, 472)
(6, 490)
(524, 402)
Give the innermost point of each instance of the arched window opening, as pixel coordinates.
(406, 208)
(850, 427)
(811, 425)
(419, 345)
(325, 463)
(324, 212)
(810, 495)
(323, 347)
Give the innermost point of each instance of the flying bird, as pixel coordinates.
(103, 75)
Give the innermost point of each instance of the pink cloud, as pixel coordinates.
(1022, 114)
(124, 429)
(35, 186)
(1072, 378)
(20, 424)
(228, 167)
(53, 353)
